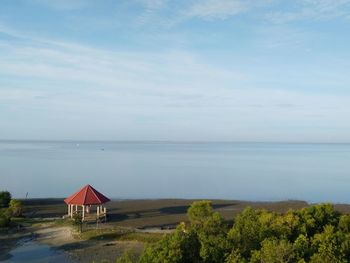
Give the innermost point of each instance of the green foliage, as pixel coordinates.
(15, 207)
(344, 224)
(5, 198)
(127, 257)
(4, 219)
(211, 230)
(5, 212)
(274, 251)
(314, 218)
(313, 234)
(78, 221)
(198, 214)
(302, 247)
(327, 246)
(246, 232)
(235, 257)
(180, 246)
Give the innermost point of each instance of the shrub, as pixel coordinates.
(127, 257)
(5, 217)
(15, 207)
(4, 221)
(5, 198)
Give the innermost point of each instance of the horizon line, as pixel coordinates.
(167, 141)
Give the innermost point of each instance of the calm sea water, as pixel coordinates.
(250, 171)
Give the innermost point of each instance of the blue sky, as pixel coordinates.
(217, 70)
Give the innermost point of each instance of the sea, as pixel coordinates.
(314, 172)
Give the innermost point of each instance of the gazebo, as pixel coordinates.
(86, 197)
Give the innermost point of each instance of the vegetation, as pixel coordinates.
(313, 234)
(15, 206)
(119, 233)
(5, 198)
(78, 221)
(127, 257)
(9, 208)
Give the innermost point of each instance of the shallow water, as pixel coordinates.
(33, 252)
(250, 171)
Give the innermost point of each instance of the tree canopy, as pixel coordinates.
(313, 234)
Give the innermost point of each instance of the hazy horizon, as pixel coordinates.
(170, 141)
(241, 171)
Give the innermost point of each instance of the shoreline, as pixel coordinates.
(61, 240)
(131, 225)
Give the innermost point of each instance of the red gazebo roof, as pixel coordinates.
(86, 196)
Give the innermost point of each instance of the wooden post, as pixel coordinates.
(105, 213)
(83, 216)
(98, 211)
(68, 209)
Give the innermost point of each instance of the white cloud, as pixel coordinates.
(312, 9)
(224, 9)
(142, 76)
(58, 82)
(94, 80)
(62, 4)
(210, 9)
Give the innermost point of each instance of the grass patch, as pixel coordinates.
(100, 234)
(120, 234)
(62, 222)
(142, 237)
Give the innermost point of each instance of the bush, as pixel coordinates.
(180, 246)
(5, 198)
(5, 217)
(78, 221)
(15, 207)
(127, 257)
(4, 221)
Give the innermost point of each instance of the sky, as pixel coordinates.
(186, 70)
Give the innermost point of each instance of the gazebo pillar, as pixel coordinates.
(68, 209)
(83, 216)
